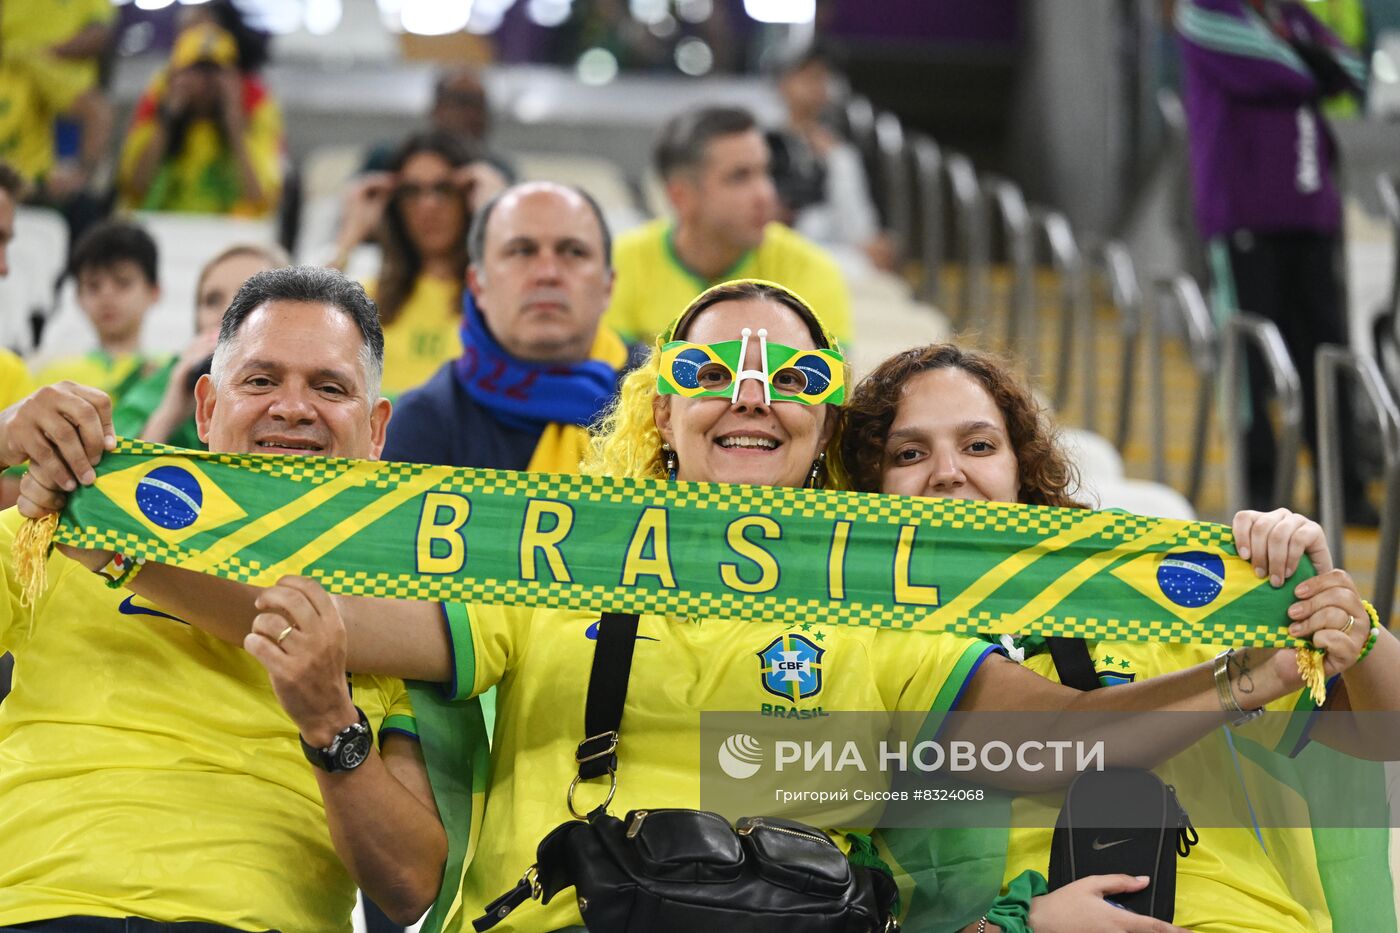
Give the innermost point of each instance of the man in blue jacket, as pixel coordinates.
(537, 367)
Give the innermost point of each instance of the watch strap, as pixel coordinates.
(328, 758)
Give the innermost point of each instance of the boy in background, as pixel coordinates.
(160, 407)
(114, 265)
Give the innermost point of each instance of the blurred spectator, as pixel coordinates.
(419, 211)
(460, 110)
(714, 162)
(15, 383)
(1264, 180)
(820, 178)
(160, 407)
(536, 368)
(224, 14)
(206, 137)
(114, 265)
(55, 122)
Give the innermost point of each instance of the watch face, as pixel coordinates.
(353, 752)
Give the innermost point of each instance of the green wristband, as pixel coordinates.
(1012, 911)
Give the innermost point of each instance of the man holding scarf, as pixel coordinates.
(536, 368)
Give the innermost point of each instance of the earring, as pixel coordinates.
(817, 465)
(668, 457)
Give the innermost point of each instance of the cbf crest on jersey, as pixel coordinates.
(792, 667)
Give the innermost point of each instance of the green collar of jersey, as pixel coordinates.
(669, 239)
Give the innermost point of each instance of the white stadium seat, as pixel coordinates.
(1142, 497)
(36, 257)
(184, 242)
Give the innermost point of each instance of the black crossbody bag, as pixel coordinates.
(1120, 820)
(687, 871)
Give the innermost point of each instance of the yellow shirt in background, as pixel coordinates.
(36, 87)
(147, 769)
(15, 382)
(97, 369)
(46, 23)
(653, 286)
(424, 335)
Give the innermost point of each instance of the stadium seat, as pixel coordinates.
(888, 321)
(1097, 460)
(1240, 330)
(598, 176)
(1142, 497)
(325, 172)
(931, 216)
(37, 256)
(184, 243)
(1180, 308)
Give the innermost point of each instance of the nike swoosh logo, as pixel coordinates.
(128, 607)
(591, 633)
(1100, 846)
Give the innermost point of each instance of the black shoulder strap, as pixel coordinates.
(607, 692)
(1072, 662)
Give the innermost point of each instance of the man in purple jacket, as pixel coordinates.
(1263, 164)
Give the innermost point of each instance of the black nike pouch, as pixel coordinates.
(1123, 821)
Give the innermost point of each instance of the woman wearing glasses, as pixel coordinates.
(418, 213)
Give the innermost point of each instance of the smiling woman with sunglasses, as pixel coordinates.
(418, 212)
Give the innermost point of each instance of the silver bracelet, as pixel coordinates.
(982, 925)
(1226, 692)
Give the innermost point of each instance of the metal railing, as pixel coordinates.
(860, 124)
(1387, 331)
(1334, 362)
(1179, 298)
(1388, 185)
(1126, 296)
(1240, 330)
(971, 236)
(1076, 315)
(928, 189)
(1008, 211)
(896, 193)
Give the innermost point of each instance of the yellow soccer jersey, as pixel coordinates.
(98, 369)
(653, 286)
(423, 336)
(15, 382)
(540, 660)
(44, 23)
(1228, 883)
(35, 86)
(147, 770)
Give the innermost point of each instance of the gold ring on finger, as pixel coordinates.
(1351, 620)
(282, 635)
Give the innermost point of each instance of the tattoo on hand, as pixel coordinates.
(1244, 680)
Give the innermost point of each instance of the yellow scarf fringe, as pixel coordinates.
(1310, 669)
(31, 551)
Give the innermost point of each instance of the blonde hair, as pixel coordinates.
(625, 441)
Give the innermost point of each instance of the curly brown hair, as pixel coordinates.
(1046, 473)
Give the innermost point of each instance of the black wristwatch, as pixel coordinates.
(347, 751)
